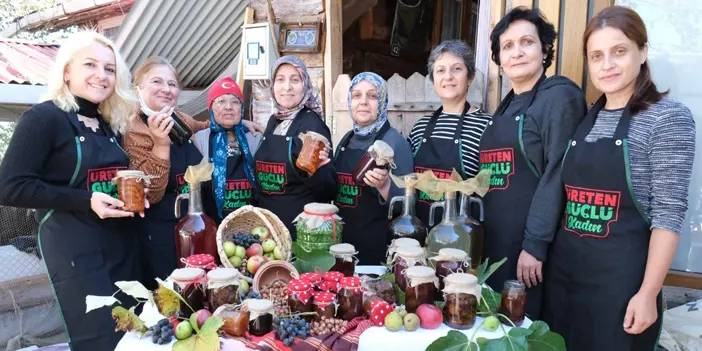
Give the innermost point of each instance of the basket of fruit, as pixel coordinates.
(249, 236)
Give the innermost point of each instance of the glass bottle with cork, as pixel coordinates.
(448, 233)
(472, 226)
(407, 225)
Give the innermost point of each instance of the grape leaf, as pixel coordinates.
(127, 321)
(453, 341)
(206, 339)
(483, 272)
(134, 289)
(167, 301)
(489, 300)
(93, 302)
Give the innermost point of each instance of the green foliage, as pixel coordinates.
(537, 337)
(126, 320)
(206, 338)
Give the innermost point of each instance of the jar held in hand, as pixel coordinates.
(379, 155)
(130, 188)
(312, 144)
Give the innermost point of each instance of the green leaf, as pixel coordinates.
(539, 328)
(453, 341)
(547, 342)
(399, 294)
(167, 301)
(484, 271)
(519, 332)
(489, 300)
(206, 339)
(126, 320)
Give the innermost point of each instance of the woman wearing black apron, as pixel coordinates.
(283, 188)
(364, 206)
(626, 173)
(449, 138)
(523, 146)
(230, 148)
(61, 160)
(152, 151)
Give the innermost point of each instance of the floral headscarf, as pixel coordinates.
(381, 87)
(310, 98)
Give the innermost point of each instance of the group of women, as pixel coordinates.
(586, 204)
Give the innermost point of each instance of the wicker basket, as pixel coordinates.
(245, 219)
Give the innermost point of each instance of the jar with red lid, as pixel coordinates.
(345, 260)
(202, 261)
(324, 305)
(332, 281)
(350, 298)
(421, 287)
(406, 257)
(300, 296)
(450, 260)
(313, 278)
(461, 295)
(190, 284)
(222, 287)
(260, 316)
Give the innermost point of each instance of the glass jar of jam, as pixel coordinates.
(235, 319)
(312, 144)
(332, 281)
(450, 260)
(378, 287)
(421, 287)
(406, 256)
(398, 242)
(222, 287)
(345, 260)
(313, 278)
(513, 301)
(350, 298)
(189, 283)
(379, 155)
(300, 296)
(324, 305)
(130, 188)
(461, 295)
(318, 227)
(260, 316)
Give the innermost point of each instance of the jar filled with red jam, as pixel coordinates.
(450, 260)
(406, 257)
(345, 260)
(190, 284)
(461, 295)
(513, 301)
(421, 287)
(324, 305)
(222, 287)
(350, 298)
(300, 296)
(260, 316)
(396, 243)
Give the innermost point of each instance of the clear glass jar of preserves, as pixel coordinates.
(130, 189)
(399, 242)
(324, 305)
(312, 144)
(300, 296)
(513, 301)
(345, 260)
(235, 319)
(190, 284)
(318, 227)
(260, 316)
(350, 298)
(421, 287)
(461, 295)
(379, 155)
(450, 260)
(222, 287)
(406, 257)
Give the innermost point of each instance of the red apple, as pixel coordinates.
(254, 262)
(254, 249)
(199, 317)
(430, 316)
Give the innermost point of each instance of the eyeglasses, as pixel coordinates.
(227, 102)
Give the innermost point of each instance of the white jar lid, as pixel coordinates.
(453, 254)
(420, 272)
(462, 279)
(342, 249)
(410, 251)
(404, 242)
(222, 274)
(187, 274)
(130, 174)
(318, 208)
(259, 305)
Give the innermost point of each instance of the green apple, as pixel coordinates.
(243, 286)
(240, 251)
(278, 253)
(269, 256)
(491, 323)
(261, 232)
(235, 261)
(268, 246)
(229, 248)
(183, 330)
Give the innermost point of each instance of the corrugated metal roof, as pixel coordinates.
(24, 62)
(201, 38)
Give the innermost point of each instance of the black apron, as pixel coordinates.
(365, 219)
(282, 188)
(599, 255)
(85, 255)
(158, 243)
(512, 184)
(439, 156)
(238, 191)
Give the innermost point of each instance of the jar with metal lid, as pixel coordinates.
(190, 284)
(406, 256)
(260, 316)
(324, 305)
(379, 155)
(461, 295)
(398, 242)
(130, 188)
(513, 301)
(300, 296)
(350, 298)
(421, 287)
(222, 287)
(312, 144)
(450, 260)
(345, 260)
(318, 227)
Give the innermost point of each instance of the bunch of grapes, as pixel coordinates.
(162, 332)
(287, 329)
(251, 294)
(245, 239)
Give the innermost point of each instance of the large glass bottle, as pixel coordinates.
(472, 226)
(448, 233)
(407, 225)
(196, 233)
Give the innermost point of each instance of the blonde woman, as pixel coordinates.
(61, 160)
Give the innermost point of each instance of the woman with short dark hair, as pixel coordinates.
(523, 146)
